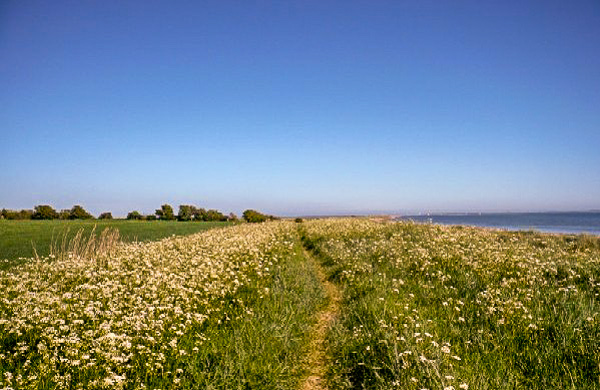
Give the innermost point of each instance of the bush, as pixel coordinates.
(44, 212)
(150, 217)
(64, 214)
(78, 212)
(106, 215)
(254, 216)
(165, 213)
(25, 214)
(134, 215)
(298, 220)
(232, 217)
(11, 214)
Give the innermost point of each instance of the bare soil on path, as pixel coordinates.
(318, 359)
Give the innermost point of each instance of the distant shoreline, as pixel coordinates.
(551, 222)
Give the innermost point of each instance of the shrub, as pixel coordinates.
(25, 214)
(106, 215)
(232, 217)
(44, 212)
(254, 216)
(298, 220)
(64, 214)
(11, 214)
(150, 217)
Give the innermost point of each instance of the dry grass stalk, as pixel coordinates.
(85, 247)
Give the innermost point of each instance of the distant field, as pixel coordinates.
(17, 238)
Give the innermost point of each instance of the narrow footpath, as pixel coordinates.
(318, 359)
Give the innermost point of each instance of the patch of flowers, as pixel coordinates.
(135, 317)
(430, 306)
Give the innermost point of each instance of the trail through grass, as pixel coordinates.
(318, 358)
(433, 307)
(327, 304)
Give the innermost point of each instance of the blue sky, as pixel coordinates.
(307, 107)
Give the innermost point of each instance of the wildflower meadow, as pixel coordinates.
(347, 303)
(228, 308)
(438, 307)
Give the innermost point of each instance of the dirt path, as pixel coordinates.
(318, 360)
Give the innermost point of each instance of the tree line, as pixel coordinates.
(186, 213)
(164, 213)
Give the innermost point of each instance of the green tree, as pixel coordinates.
(200, 214)
(78, 212)
(186, 212)
(134, 215)
(215, 215)
(106, 215)
(165, 213)
(64, 214)
(44, 212)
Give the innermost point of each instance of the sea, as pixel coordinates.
(555, 222)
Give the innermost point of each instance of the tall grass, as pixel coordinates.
(84, 245)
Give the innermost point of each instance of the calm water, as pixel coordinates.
(543, 222)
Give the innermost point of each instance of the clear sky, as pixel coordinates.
(301, 107)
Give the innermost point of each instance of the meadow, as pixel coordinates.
(439, 307)
(19, 238)
(378, 305)
(227, 308)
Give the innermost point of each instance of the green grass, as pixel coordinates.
(265, 350)
(17, 238)
(443, 307)
(230, 309)
(423, 307)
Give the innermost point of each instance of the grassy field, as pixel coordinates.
(324, 304)
(17, 238)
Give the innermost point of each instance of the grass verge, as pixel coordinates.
(266, 350)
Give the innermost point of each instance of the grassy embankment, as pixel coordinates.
(228, 308)
(18, 238)
(431, 307)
